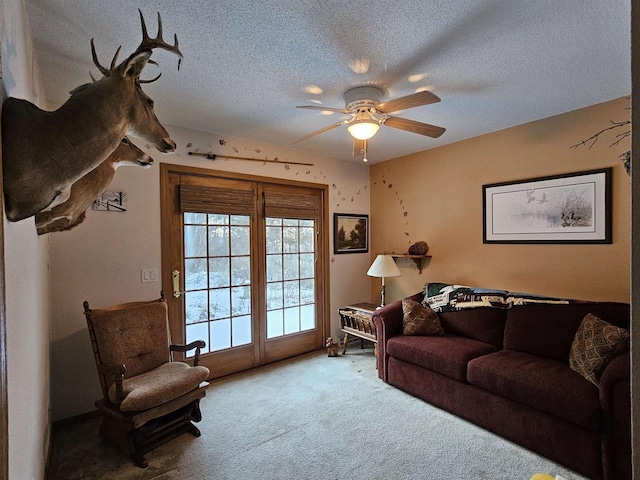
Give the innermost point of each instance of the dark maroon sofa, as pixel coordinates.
(507, 370)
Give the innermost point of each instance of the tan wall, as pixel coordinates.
(436, 196)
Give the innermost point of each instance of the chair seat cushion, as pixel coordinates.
(446, 354)
(541, 383)
(160, 385)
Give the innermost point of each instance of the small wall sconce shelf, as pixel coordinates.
(417, 259)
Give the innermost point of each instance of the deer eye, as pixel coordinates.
(125, 141)
(150, 103)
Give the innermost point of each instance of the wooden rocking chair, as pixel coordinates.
(147, 398)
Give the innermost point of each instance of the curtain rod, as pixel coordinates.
(213, 156)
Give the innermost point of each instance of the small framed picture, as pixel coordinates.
(570, 208)
(350, 233)
(111, 202)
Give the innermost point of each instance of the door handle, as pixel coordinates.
(175, 277)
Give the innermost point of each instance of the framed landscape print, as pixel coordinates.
(111, 202)
(570, 208)
(350, 233)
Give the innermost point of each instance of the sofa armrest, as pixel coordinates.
(615, 400)
(388, 321)
(618, 371)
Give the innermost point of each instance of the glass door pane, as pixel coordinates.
(217, 266)
(290, 276)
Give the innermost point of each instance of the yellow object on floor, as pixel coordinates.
(542, 476)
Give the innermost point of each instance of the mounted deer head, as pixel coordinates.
(44, 153)
(83, 192)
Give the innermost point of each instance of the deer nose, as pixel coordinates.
(168, 145)
(147, 161)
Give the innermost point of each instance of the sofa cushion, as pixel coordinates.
(540, 383)
(548, 330)
(419, 319)
(482, 324)
(594, 346)
(447, 354)
(157, 386)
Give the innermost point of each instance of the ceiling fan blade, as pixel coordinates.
(358, 147)
(324, 109)
(409, 101)
(414, 127)
(317, 132)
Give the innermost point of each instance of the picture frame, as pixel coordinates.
(570, 208)
(110, 201)
(350, 233)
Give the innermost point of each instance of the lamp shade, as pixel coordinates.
(363, 130)
(384, 266)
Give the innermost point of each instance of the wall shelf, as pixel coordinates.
(417, 259)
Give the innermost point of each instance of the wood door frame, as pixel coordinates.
(281, 347)
(167, 221)
(239, 358)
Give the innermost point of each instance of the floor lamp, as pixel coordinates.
(383, 266)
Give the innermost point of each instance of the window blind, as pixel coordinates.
(286, 205)
(203, 199)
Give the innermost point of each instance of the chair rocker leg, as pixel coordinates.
(118, 434)
(193, 430)
(196, 414)
(139, 460)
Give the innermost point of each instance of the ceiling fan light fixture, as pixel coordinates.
(363, 129)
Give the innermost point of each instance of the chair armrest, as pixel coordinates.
(114, 374)
(198, 344)
(388, 322)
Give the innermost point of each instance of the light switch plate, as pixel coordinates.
(149, 275)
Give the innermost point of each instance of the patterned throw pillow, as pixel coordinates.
(594, 346)
(419, 319)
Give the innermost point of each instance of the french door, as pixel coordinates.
(244, 265)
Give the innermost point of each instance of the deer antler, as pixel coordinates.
(149, 81)
(153, 79)
(115, 57)
(106, 72)
(149, 43)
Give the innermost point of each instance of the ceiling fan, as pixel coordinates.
(367, 114)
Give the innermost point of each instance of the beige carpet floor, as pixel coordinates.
(312, 417)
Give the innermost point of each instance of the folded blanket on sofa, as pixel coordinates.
(446, 297)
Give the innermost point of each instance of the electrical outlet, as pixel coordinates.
(149, 275)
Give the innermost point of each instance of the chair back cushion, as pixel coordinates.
(134, 334)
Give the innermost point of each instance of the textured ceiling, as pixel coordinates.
(247, 64)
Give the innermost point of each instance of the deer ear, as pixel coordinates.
(134, 65)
